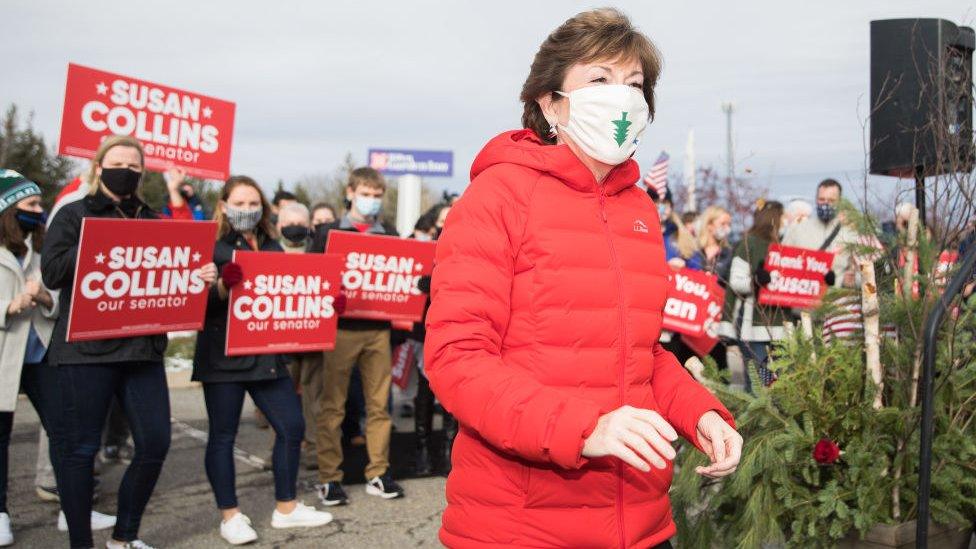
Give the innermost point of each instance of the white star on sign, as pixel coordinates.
(326, 285)
(247, 284)
(100, 258)
(207, 111)
(420, 266)
(101, 88)
(196, 257)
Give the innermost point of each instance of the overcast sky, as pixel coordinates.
(313, 80)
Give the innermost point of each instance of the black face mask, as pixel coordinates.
(186, 196)
(30, 220)
(318, 227)
(295, 233)
(121, 181)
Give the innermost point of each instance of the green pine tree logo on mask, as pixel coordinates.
(620, 136)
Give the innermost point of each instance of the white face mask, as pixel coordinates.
(606, 121)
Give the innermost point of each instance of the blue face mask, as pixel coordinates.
(368, 206)
(826, 212)
(662, 210)
(29, 220)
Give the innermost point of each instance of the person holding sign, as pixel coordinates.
(548, 293)
(360, 343)
(243, 218)
(92, 373)
(827, 231)
(715, 253)
(760, 324)
(428, 227)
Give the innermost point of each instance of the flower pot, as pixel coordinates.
(902, 536)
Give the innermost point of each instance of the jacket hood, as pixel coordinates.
(524, 148)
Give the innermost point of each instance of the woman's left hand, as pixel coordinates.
(37, 293)
(721, 443)
(209, 273)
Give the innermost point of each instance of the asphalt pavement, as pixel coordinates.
(182, 512)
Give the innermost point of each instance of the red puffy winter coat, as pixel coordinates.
(546, 309)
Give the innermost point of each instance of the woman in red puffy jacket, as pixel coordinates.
(548, 289)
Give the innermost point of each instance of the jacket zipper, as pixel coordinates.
(623, 355)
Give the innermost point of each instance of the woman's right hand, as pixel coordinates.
(638, 437)
(19, 304)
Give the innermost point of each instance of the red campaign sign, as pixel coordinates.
(139, 277)
(284, 304)
(694, 308)
(797, 277)
(403, 358)
(947, 260)
(176, 127)
(380, 275)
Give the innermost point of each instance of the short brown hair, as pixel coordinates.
(367, 177)
(604, 33)
(827, 183)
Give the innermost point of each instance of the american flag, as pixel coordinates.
(845, 321)
(657, 178)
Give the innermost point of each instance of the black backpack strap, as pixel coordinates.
(830, 238)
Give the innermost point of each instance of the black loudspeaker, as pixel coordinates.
(921, 97)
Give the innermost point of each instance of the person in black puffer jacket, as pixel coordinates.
(92, 373)
(429, 227)
(243, 223)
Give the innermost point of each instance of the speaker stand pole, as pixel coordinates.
(926, 388)
(920, 193)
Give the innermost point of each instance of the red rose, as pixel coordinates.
(826, 452)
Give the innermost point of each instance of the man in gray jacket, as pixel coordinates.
(826, 231)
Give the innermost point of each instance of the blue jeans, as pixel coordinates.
(38, 382)
(86, 392)
(278, 401)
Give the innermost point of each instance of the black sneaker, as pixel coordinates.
(384, 486)
(332, 494)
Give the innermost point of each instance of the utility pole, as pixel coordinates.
(691, 204)
(728, 108)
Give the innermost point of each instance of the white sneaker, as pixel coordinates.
(134, 544)
(301, 516)
(99, 521)
(237, 530)
(6, 536)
